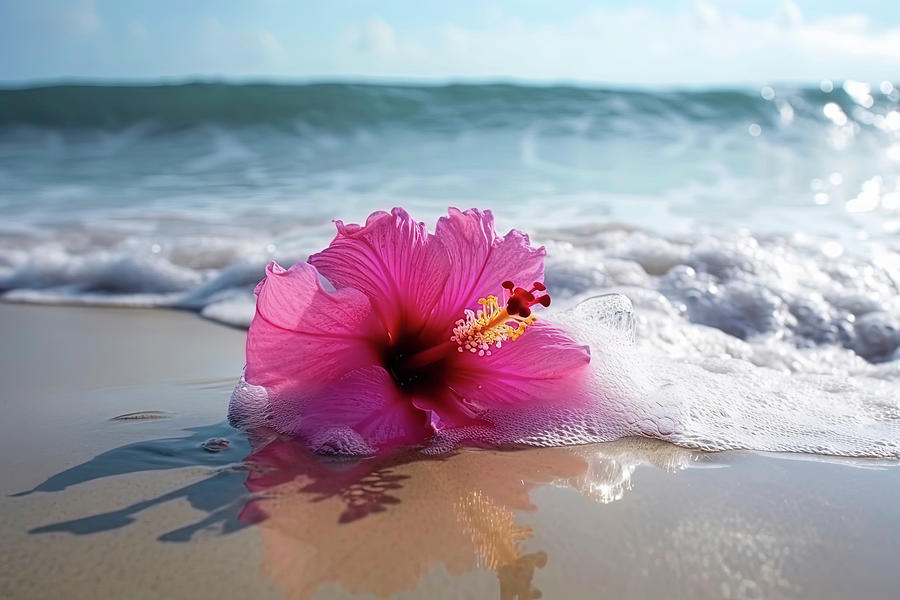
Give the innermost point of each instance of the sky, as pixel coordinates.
(652, 43)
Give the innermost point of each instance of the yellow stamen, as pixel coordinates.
(488, 327)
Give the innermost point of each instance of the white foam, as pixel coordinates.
(211, 275)
(708, 402)
(236, 310)
(753, 287)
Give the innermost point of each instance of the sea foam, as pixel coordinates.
(702, 399)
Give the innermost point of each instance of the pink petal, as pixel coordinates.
(367, 401)
(392, 259)
(449, 409)
(543, 366)
(303, 336)
(481, 261)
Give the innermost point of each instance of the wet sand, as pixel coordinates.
(94, 506)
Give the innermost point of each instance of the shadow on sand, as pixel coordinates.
(376, 524)
(220, 495)
(237, 478)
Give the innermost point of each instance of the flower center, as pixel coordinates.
(422, 375)
(414, 362)
(493, 324)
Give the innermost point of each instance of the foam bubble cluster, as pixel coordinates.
(758, 289)
(704, 402)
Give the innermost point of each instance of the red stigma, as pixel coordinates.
(521, 300)
(523, 293)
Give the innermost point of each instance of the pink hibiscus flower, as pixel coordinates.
(423, 332)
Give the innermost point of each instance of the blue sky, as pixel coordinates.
(644, 43)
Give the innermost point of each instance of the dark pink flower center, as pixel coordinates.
(419, 360)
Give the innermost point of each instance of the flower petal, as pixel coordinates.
(543, 366)
(448, 410)
(302, 335)
(481, 260)
(392, 259)
(367, 401)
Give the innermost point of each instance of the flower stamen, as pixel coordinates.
(494, 324)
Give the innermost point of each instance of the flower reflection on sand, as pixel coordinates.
(381, 524)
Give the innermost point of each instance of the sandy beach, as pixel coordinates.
(101, 502)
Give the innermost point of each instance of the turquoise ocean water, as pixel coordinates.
(176, 195)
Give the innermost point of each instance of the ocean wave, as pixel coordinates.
(246, 155)
(342, 107)
(798, 292)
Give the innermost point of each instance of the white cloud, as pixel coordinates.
(706, 44)
(706, 14)
(376, 37)
(83, 17)
(224, 49)
(377, 40)
(72, 19)
(789, 15)
(269, 44)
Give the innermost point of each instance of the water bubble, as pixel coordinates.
(339, 441)
(826, 86)
(886, 87)
(754, 129)
(608, 314)
(155, 248)
(143, 415)
(835, 113)
(767, 93)
(786, 113)
(216, 445)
